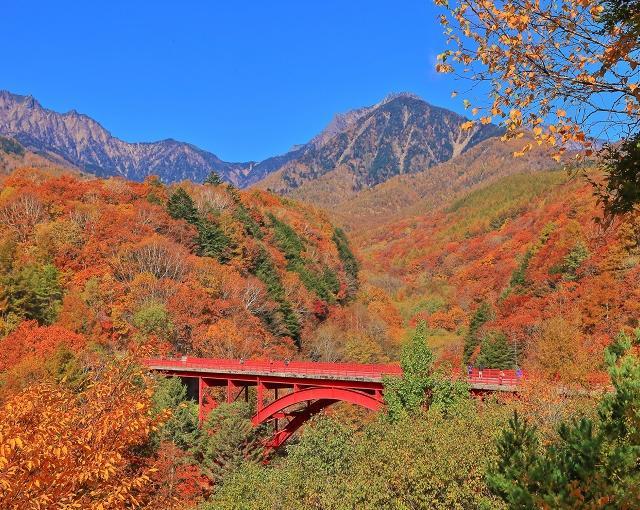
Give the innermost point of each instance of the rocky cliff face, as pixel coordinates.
(84, 143)
(400, 135)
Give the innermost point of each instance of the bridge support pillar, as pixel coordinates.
(259, 395)
(205, 403)
(230, 393)
(275, 417)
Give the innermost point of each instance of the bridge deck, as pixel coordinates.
(491, 380)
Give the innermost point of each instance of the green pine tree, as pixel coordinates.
(180, 206)
(212, 241)
(213, 179)
(496, 352)
(182, 428)
(482, 315)
(420, 385)
(228, 440)
(405, 395)
(593, 463)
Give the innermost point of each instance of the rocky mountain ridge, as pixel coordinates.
(402, 134)
(84, 143)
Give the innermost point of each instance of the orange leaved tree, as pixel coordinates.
(65, 449)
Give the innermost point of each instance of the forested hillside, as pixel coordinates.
(97, 273)
(517, 273)
(200, 269)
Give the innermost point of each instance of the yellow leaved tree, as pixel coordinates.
(550, 66)
(567, 71)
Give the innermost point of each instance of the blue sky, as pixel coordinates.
(244, 80)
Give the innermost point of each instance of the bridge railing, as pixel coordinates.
(492, 376)
(487, 376)
(299, 368)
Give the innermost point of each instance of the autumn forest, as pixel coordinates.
(504, 241)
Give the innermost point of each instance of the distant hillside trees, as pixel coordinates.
(473, 338)
(198, 269)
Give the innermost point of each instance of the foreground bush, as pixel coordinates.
(429, 461)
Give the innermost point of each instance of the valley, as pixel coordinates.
(397, 239)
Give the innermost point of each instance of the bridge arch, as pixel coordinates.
(318, 399)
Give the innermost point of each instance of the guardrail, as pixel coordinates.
(297, 368)
(336, 370)
(491, 376)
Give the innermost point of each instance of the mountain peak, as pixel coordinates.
(28, 101)
(402, 134)
(400, 95)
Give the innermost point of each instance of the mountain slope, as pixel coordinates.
(527, 245)
(400, 135)
(13, 155)
(405, 195)
(82, 142)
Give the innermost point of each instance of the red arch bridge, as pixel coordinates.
(289, 393)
